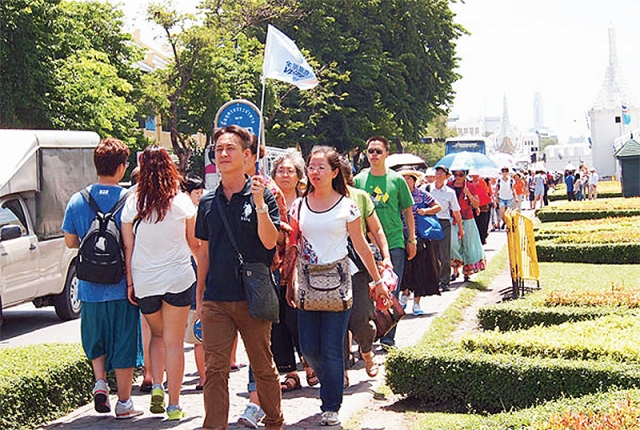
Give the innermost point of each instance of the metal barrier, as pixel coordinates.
(523, 258)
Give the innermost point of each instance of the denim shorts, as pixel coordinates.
(152, 304)
(507, 203)
(112, 328)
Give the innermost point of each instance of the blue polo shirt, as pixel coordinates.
(223, 283)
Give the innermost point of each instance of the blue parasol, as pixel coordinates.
(466, 160)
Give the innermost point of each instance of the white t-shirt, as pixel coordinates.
(593, 178)
(324, 234)
(447, 198)
(504, 188)
(161, 261)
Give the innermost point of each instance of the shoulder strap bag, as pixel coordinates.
(257, 280)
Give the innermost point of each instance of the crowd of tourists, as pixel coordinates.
(337, 247)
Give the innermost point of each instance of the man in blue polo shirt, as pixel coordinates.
(254, 219)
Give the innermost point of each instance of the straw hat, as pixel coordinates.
(416, 175)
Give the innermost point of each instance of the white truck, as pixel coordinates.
(39, 171)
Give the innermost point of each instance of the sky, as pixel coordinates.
(559, 48)
(516, 48)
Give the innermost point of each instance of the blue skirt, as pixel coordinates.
(467, 252)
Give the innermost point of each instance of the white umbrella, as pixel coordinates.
(405, 159)
(503, 160)
(569, 166)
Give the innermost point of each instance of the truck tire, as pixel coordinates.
(66, 303)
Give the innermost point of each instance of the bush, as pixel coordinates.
(611, 337)
(610, 253)
(566, 215)
(603, 226)
(39, 383)
(520, 315)
(459, 380)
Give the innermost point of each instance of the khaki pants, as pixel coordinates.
(220, 323)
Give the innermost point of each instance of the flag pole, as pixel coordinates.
(261, 128)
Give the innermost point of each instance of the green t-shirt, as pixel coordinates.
(390, 195)
(364, 203)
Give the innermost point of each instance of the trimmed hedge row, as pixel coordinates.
(518, 315)
(554, 197)
(536, 416)
(547, 215)
(39, 383)
(460, 380)
(610, 253)
(612, 337)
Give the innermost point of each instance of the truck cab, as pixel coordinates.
(39, 171)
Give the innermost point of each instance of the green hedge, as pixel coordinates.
(462, 381)
(531, 417)
(39, 383)
(554, 197)
(611, 337)
(518, 315)
(548, 214)
(610, 253)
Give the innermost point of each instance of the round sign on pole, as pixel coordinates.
(239, 112)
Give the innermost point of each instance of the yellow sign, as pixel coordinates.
(523, 258)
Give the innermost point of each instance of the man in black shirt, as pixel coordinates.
(254, 219)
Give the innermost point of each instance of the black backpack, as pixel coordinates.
(100, 255)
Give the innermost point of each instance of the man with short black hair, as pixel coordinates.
(109, 324)
(392, 199)
(254, 219)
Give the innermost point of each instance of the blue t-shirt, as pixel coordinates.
(77, 219)
(568, 180)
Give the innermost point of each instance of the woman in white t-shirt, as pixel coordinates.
(326, 217)
(158, 224)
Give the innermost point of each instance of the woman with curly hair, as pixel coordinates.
(158, 224)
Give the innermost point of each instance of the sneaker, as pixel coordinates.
(416, 310)
(175, 413)
(157, 400)
(126, 410)
(329, 418)
(252, 415)
(403, 299)
(101, 397)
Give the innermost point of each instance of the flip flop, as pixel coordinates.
(312, 379)
(237, 367)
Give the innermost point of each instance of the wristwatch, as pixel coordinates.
(413, 241)
(262, 210)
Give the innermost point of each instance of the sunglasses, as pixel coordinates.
(375, 151)
(459, 175)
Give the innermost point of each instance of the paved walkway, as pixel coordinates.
(301, 407)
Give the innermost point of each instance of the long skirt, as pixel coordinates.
(467, 252)
(422, 272)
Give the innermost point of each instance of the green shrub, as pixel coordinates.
(562, 195)
(39, 383)
(531, 417)
(459, 380)
(518, 315)
(610, 253)
(612, 337)
(548, 215)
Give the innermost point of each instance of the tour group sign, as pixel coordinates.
(235, 112)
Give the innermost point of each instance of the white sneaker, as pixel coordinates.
(403, 299)
(329, 418)
(252, 415)
(126, 410)
(101, 397)
(416, 309)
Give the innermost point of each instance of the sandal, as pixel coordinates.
(291, 383)
(312, 378)
(370, 365)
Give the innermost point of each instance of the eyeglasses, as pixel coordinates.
(375, 151)
(319, 169)
(459, 175)
(286, 172)
(505, 170)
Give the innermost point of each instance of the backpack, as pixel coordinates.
(100, 254)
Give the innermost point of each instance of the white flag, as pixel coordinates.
(284, 61)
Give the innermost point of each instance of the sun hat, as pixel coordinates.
(416, 175)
